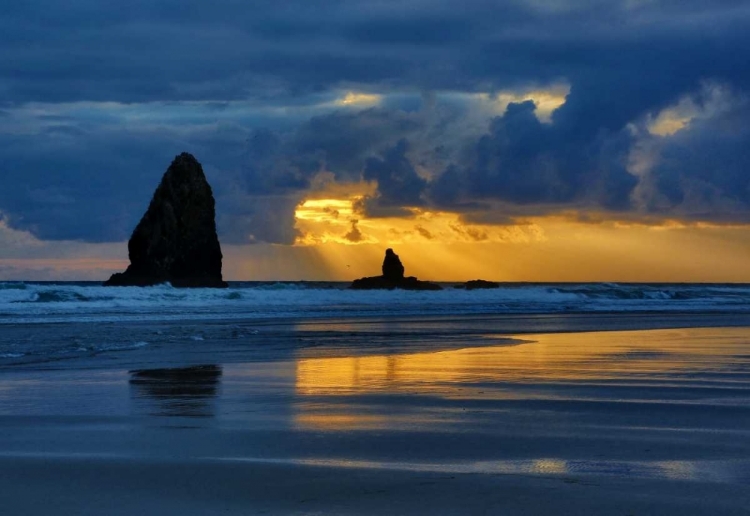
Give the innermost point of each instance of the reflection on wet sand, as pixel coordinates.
(185, 392)
(545, 367)
(548, 358)
(441, 374)
(699, 470)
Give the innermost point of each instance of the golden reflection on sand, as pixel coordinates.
(702, 470)
(679, 470)
(550, 466)
(518, 371)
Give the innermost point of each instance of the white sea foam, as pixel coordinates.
(125, 346)
(59, 302)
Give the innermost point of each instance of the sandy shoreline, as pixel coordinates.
(641, 422)
(128, 487)
(153, 344)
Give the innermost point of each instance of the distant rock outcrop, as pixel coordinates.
(393, 270)
(176, 239)
(479, 283)
(393, 277)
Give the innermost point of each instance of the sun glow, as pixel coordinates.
(445, 246)
(338, 242)
(319, 210)
(340, 221)
(359, 99)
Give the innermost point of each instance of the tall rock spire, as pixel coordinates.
(176, 239)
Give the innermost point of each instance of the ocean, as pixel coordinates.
(45, 302)
(53, 322)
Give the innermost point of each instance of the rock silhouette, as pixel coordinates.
(393, 270)
(176, 239)
(478, 284)
(393, 277)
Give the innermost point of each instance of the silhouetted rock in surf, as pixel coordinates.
(393, 277)
(176, 239)
(382, 283)
(479, 283)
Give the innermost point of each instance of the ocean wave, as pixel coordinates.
(122, 346)
(12, 285)
(615, 291)
(57, 302)
(53, 351)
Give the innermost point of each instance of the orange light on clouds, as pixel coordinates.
(332, 221)
(359, 99)
(443, 246)
(324, 209)
(547, 100)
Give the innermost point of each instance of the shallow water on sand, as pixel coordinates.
(654, 421)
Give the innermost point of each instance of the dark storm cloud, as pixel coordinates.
(89, 173)
(248, 219)
(703, 171)
(524, 161)
(62, 187)
(425, 29)
(398, 181)
(93, 182)
(339, 143)
(343, 141)
(163, 49)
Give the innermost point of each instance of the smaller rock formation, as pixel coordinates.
(479, 283)
(176, 239)
(393, 277)
(393, 270)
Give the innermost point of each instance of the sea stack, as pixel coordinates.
(176, 239)
(479, 284)
(393, 270)
(393, 277)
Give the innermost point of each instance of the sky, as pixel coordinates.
(523, 140)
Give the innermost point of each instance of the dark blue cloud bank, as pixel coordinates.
(97, 97)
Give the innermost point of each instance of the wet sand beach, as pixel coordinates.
(613, 422)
